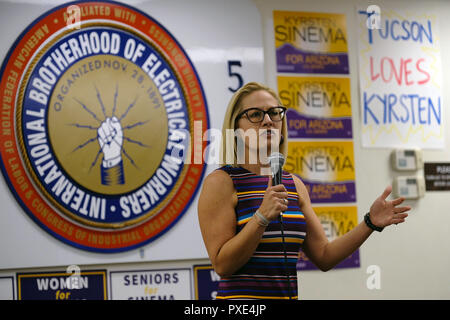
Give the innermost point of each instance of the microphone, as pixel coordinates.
(276, 161)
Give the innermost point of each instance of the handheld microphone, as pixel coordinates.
(276, 160)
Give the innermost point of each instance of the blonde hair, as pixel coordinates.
(228, 153)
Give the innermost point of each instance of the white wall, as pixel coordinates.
(414, 257)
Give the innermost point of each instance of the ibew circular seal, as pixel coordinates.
(97, 125)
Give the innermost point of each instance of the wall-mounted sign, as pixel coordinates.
(437, 176)
(166, 284)
(319, 107)
(400, 79)
(6, 288)
(327, 169)
(99, 103)
(83, 285)
(206, 282)
(311, 42)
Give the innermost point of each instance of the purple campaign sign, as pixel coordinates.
(293, 60)
(302, 126)
(350, 262)
(329, 192)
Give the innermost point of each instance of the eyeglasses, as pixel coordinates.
(256, 115)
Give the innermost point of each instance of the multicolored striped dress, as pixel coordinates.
(265, 275)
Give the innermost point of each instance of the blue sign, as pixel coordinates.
(86, 285)
(206, 282)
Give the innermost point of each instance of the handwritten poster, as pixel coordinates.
(318, 107)
(336, 221)
(400, 80)
(310, 42)
(327, 169)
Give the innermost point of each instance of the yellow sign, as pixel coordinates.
(316, 96)
(310, 42)
(321, 161)
(312, 31)
(337, 221)
(326, 167)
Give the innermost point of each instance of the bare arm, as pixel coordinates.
(316, 240)
(227, 250)
(324, 254)
(345, 245)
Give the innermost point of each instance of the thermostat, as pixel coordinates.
(407, 160)
(409, 187)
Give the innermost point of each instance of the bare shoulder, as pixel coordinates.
(218, 176)
(218, 179)
(218, 185)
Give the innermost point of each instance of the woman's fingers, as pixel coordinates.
(275, 200)
(398, 201)
(401, 209)
(283, 208)
(281, 195)
(400, 216)
(397, 221)
(386, 192)
(279, 188)
(282, 198)
(279, 191)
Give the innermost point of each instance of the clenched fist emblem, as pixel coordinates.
(110, 138)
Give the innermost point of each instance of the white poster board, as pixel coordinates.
(170, 284)
(400, 79)
(6, 288)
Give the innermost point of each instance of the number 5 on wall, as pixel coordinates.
(231, 73)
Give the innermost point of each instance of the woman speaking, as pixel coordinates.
(250, 246)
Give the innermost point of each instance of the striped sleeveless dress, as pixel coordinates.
(265, 275)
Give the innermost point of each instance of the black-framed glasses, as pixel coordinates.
(256, 115)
